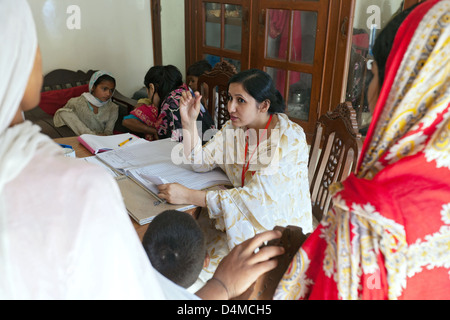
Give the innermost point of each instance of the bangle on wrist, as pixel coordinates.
(222, 284)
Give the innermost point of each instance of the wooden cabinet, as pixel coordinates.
(290, 38)
(218, 30)
(304, 44)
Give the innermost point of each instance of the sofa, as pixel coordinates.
(61, 85)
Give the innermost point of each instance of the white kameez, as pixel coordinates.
(276, 195)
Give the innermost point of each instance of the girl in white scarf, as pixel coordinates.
(90, 97)
(93, 112)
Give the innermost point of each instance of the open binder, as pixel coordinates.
(141, 168)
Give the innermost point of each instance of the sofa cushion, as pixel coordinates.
(51, 101)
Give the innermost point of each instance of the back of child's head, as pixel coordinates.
(164, 78)
(176, 247)
(198, 68)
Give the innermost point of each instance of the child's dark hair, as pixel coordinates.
(175, 245)
(165, 79)
(198, 68)
(105, 77)
(385, 40)
(260, 86)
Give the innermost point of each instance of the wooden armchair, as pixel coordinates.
(333, 155)
(214, 89)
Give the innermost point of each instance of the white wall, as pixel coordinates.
(113, 35)
(386, 9)
(173, 34)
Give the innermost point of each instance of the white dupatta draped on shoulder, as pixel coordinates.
(19, 143)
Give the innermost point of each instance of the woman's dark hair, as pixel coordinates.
(104, 77)
(260, 86)
(385, 40)
(198, 68)
(164, 78)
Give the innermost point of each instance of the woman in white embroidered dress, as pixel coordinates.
(64, 230)
(263, 153)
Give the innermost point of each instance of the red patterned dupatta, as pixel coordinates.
(148, 114)
(388, 233)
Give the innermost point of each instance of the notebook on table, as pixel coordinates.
(98, 144)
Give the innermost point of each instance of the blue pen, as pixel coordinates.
(65, 146)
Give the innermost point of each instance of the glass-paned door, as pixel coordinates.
(370, 17)
(291, 42)
(225, 32)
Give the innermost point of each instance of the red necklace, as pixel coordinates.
(245, 167)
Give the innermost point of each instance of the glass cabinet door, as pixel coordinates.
(225, 31)
(301, 41)
(293, 51)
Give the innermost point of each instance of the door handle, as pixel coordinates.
(262, 18)
(344, 27)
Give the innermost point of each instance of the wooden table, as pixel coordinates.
(82, 152)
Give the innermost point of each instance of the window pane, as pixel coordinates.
(278, 34)
(279, 78)
(213, 60)
(304, 36)
(299, 104)
(213, 24)
(233, 27)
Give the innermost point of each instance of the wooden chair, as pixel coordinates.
(333, 155)
(214, 89)
(264, 288)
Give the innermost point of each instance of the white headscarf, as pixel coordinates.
(89, 96)
(19, 143)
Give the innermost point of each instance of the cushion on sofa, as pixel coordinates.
(51, 101)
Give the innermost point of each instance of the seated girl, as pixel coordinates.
(93, 112)
(158, 117)
(263, 153)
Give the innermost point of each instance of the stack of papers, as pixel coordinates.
(149, 165)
